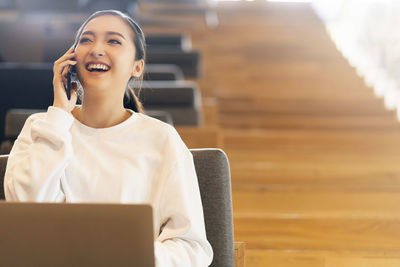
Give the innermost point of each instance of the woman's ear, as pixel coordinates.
(138, 68)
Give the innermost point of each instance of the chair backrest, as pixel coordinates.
(162, 72)
(3, 164)
(15, 120)
(24, 86)
(161, 115)
(179, 42)
(182, 99)
(189, 62)
(6, 146)
(213, 174)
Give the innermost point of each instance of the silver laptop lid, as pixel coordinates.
(44, 234)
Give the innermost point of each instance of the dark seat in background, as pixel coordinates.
(189, 62)
(162, 72)
(24, 86)
(160, 115)
(181, 99)
(179, 42)
(15, 120)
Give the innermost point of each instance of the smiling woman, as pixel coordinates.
(106, 46)
(102, 152)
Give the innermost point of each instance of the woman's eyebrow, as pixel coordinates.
(115, 33)
(107, 33)
(88, 32)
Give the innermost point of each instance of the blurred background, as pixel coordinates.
(303, 97)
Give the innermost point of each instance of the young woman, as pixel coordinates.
(102, 152)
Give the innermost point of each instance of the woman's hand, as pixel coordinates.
(60, 70)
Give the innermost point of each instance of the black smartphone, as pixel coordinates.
(71, 77)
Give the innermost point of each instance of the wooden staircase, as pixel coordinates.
(314, 154)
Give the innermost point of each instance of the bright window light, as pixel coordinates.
(298, 1)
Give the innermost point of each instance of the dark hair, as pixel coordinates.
(140, 49)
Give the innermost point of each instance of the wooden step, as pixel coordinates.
(315, 121)
(262, 258)
(278, 175)
(307, 160)
(333, 234)
(293, 258)
(362, 261)
(271, 107)
(309, 142)
(315, 204)
(334, 221)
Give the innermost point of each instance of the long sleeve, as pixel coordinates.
(182, 241)
(39, 157)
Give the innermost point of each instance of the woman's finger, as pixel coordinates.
(62, 67)
(60, 76)
(62, 62)
(60, 70)
(64, 73)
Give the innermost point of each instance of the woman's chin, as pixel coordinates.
(90, 90)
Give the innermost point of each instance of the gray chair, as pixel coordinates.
(214, 178)
(213, 174)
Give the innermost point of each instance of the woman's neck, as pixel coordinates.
(100, 113)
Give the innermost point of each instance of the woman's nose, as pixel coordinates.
(97, 50)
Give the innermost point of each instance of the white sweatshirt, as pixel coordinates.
(141, 160)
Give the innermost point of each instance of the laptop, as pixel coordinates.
(49, 234)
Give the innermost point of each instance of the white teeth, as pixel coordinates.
(97, 66)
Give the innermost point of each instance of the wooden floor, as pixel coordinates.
(314, 154)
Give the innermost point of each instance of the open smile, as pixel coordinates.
(97, 67)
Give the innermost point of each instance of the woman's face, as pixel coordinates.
(105, 54)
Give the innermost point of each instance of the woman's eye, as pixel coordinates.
(113, 41)
(84, 40)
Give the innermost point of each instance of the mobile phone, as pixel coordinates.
(71, 77)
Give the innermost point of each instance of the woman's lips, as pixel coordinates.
(97, 66)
